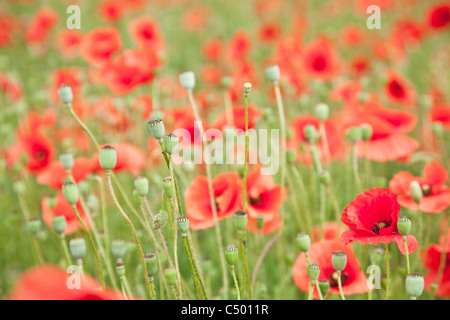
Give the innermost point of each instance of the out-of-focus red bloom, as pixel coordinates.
(269, 32)
(352, 35)
(212, 49)
(211, 74)
(399, 90)
(69, 76)
(67, 42)
(347, 91)
(360, 65)
(143, 104)
(432, 260)
(129, 158)
(239, 45)
(238, 118)
(10, 88)
(184, 118)
(353, 278)
(63, 208)
(269, 7)
(320, 59)
(441, 114)
(98, 46)
(362, 5)
(112, 10)
(41, 25)
(8, 28)
(196, 18)
(264, 199)
(436, 195)
(227, 194)
(407, 33)
(330, 231)
(439, 15)
(55, 174)
(50, 283)
(145, 31)
(372, 218)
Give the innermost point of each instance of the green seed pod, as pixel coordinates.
(160, 220)
(137, 197)
(414, 285)
(339, 260)
(354, 134)
(273, 73)
(324, 286)
(247, 88)
(66, 159)
(118, 249)
(33, 225)
(167, 187)
(120, 269)
(157, 129)
(19, 187)
(183, 224)
(416, 191)
(231, 254)
(171, 276)
(65, 93)
(77, 248)
(187, 80)
(171, 143)
(41, 235)
(108, 158)
(291, 157)
(366, 132)
(377, 256)
(141, 185)
(70, 192)
(93, 203)
(152, 264)
(324, 177)
(322, 111)
(313, 271)
(131, 247)
(226, 81)
(59, 225)
(311, 133)
(404, 225)
(240, 220)
(303, 241)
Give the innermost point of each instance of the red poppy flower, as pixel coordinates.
(145, 31)
(212, 49)
(69, 76)
(353, 278)
(184, 118)
(98, 46)
(372, 218)
(441, 114)
(399, 90)
(63, 208)
(41, 25)
(227, 193)
(67, 42)
(352, 35)
(238, 118)
(320, 59)
(196, 18)
(129, 158)
(432, 261)
(436, 195)
(330, 231)
(439, 15)
(10, 88)
(211, 74)
(50, 283)
(269, 32)
(240, 45)
(55, 174)
(144, 105)
(112, 10)
(8, 27)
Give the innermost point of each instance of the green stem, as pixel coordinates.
(387, 272)
(341, 292)
(408, 268)
(66, 250)
(355, 167)
(243, 254)
(85, 127)
(233, 274)
(191, 265)
(311, 290)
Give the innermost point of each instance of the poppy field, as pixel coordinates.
(224, 150)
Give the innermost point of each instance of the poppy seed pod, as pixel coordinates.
(59, 224)
(157, 129)
(167, 186)
(377, 256)
(303, 241)
(118, 249)
(187, 80)
(313, 272)
(310, 133)
(324, 286)
(171, 143)
(141, 185)
(339, 260)
(291, 157)
(366, 132)
(77, 248)
(19, 187)
(171, 276)
(404, 225)
(65, 93)
(324, 177)
(33, 225)
(416, 191)
(151, 263)
(66, 159)
(247, 88)
(120, 269)
(414, 285)
(322, 111)
(137, 197)
(354, 134)
(231, 254)
(107, 158)
(240, 220)
(70, 192)
(273, 73)
(183, 225)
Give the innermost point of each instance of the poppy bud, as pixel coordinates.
(291, 157)
(118, 249)
(324, 177)
(438, 129)
(339, 260)
(77, 248)
(310, 133)
(313, 272)
(404, 225)
(171, 276)
(322, 111)
(273, 73)
(226, 81)
(260, 221)
(416, 191)
(171, 143)
(65, 93)
(141, 185)
(120, 269)
(59, 224)
(240, 220)
(70, 192)
(414, 285)
(66, 159)
(377, 256)
(183, 225)
(366, 131)
(247, 88)
(187, 80)
(157, 129)
(160, 220)
(167, 186)
(303, 241)
(354, 134)
(33, 225)
(324, 286)
(231, 254)
(107, 158)
(152, 264)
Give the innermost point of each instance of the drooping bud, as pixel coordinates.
(273, 73)
(171, 143)
(247, 88)
(303, 241)
(59, 225)
(414, 285)
(65, 93)
(324, 177)
(240, 220)
(313, 272)
(322, 111)
(70, 192)
(404, 225)
(33, 225)
(310, 133)
(151, 263)
(366, 132)
(324, 286)
(141, 185)
(416, 191)
(77, 248)
(231, 254)
(339, 260)
(157, 129)
(66, 159)
(167, 187)
(107, 158)
(171, 276)
(183, 225)
(118, 249)
(187, 80)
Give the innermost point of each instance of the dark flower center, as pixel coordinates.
(255, 201)
(426, 190)
(319, 64)
(333, 278)
(396, 89)
(376, 227)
